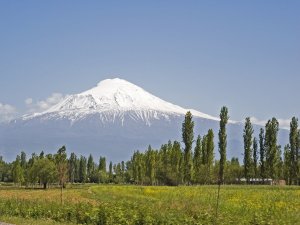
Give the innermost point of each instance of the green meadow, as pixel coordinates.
(117, 204)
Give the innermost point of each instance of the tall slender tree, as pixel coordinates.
(204, 150)
(102, 164)
(197, 160)
(272, 128)
(188, 138)
(255, 157)
(62, 168)
(223, 142)
(248, 132)
(209, 156)
(150, 164)
(90, 167)
(287, 164)
(72, 167)
(294, 150)
(23, 160)
(222, 150)
(82, 170)
(110, 171)
(176, 160)
(262, 153)
(298, 157)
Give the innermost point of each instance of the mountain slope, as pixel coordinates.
(112, 99)
(112, 119)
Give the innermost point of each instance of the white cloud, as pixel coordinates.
(28, 101)
(283, 123)
(40, 106)
(7, 112)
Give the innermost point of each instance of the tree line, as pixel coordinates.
(189, 162)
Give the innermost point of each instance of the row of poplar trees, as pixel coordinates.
(263, 157)
(172, 164)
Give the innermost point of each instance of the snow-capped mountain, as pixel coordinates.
(112, 100)
(112, 119)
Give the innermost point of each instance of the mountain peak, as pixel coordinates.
(116, 96)
(114, 81)
(112, 87)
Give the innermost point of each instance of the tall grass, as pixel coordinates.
(110, 204)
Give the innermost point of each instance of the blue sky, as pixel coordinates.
(201, 55)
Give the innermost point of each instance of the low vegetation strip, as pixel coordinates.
(116, 204)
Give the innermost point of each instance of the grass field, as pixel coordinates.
(109, 204)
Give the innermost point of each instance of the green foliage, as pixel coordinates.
(114, 205)
(272, 160)
(150, 158)
(17, 172)
(43, 171)
(110, 171)
(223, 141)
(262, 153)
(90, 167)
(294, 152)
(198, 160)
(209, 156)
(170, 164)
(102, 164)
(255, 157)
(188, 138)
(61, 165)
(82, 170)
(248, 132)
(72, 167)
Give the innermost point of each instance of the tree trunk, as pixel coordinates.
(61, 194)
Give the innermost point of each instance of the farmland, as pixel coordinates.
(117, 204)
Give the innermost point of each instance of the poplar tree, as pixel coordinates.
(176, 160)
(198, 159)
(102, 164)
(222, 150)
(209, 155)
(294, 150)
(287, 164)
(298, 157)
(223, 142)
(23, 160)
(262, 153)
(204, 150)
(90, 166)
(188, 138)
(72, 167)
(255, 157)
(82, 170)
(248, 132)
(110, 171)
(150, 165)
(272, 128)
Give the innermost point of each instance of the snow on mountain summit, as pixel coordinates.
(116, 96)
